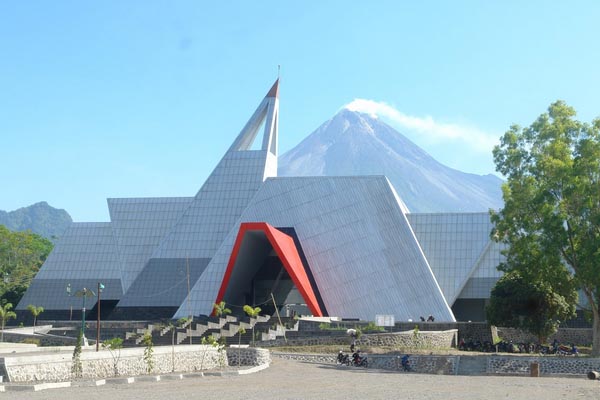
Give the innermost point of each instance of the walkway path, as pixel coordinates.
(296, 380)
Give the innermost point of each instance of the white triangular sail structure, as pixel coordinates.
(268, 113)
(192, 242)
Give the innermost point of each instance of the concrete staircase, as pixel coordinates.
(472, 365)
(226, 327)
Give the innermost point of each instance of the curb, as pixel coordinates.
(37, 387)
(128, 380)
(120, 381)
(149, 378)
(172, 377)
(193, 375)
(98, 382)
(253, 370)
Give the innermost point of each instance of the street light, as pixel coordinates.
(83, 293)
(100, 287)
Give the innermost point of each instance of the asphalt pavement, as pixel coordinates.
(286, 379)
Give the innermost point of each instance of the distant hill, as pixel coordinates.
(40, 218)
(353, 143)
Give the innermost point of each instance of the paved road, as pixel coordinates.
(297, 380)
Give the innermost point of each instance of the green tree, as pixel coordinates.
(241, 331)
(220, 309)
(551, 214)
(252, 312)
(148, 352)
(21, 256)
(5, 315)
(114, 346)
(210, 340)
(35, 311)
(534, 306)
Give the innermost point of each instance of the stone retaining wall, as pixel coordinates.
(57, 367)
(442, 365)
(480, 331)
(408, 339)
(474, 331)
(45, 340)
(312, 358)
(548, 365)
(248, 356)
(439, 365)
(448, 365)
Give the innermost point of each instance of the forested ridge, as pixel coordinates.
(40, 218)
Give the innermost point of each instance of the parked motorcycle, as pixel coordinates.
(358, 360)
(343, 359)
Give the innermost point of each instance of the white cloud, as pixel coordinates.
(435, 132)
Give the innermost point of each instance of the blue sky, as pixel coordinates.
(142, 98)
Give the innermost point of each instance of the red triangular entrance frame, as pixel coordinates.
(287, 252)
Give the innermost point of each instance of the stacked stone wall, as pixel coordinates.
(442, 365)
(312, 326)
(480, 331)
(567, 365)
(425, 326)
(411, 339)
(44, 340)
(474, 331)
(448, 365)
(96, 365)
(248, 357)
(424, 339)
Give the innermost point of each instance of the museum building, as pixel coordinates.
(344, 246)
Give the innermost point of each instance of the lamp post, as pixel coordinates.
(83, 293)
(71, 305)
(100, 287)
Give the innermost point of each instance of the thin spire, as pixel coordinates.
(274, 91)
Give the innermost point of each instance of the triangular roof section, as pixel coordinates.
(85, 255)
(286, 250)
(484, 274)
(138, 225)
(453, 244)
(352, 230)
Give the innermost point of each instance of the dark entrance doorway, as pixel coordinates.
(260, 274)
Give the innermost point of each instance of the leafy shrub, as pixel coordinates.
(371, 327)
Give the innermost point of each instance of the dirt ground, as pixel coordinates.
(297, 380)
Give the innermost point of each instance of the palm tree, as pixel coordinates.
(219, 309)
(252, 312)
(35, 311)
(5, 315)
(241, 331)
